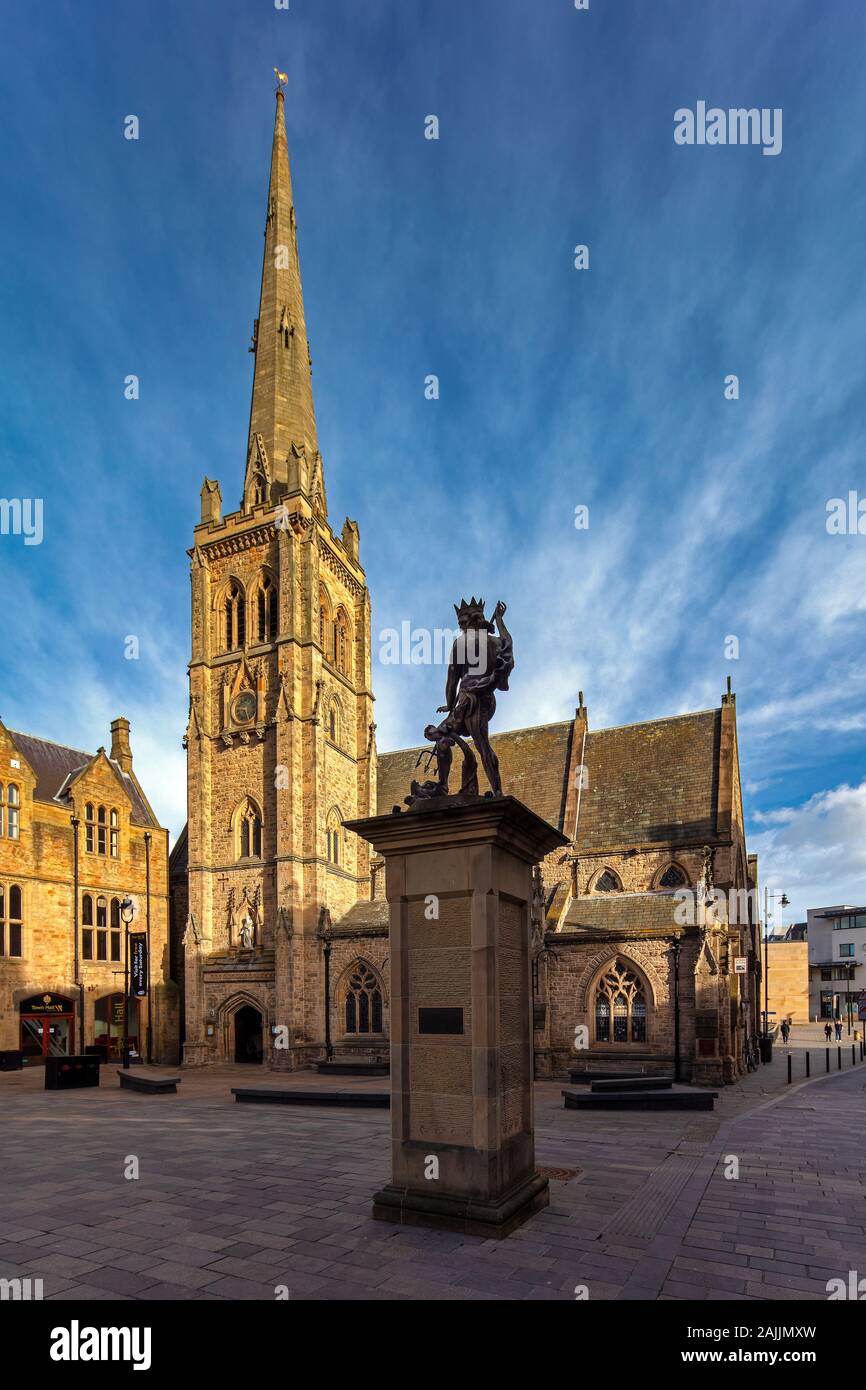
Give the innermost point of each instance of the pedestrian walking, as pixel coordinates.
(828, 1031)
(785, 1030)
(837, 1024)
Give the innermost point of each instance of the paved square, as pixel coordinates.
(238, 1202)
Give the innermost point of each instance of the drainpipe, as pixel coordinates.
(77, 963)
(147, 839)
(326, 949)
(676, 949)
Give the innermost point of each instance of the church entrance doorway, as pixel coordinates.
(248, 1034)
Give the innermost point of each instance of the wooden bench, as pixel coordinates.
(150, 1085)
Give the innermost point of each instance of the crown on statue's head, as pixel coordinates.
(473, 609)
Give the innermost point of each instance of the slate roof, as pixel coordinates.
(615, 912)
(361, 916)
(54, 765)
(653, 781)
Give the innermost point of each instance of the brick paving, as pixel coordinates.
(236, 1202)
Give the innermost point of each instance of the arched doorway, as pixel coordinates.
(248, 1034)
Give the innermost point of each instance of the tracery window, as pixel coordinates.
(608, 883)
(11, 924)
(234, 613)
(324, 621)
(249, 837)
(334, 831)
(620, 1006)
(267, 610)
(341, 655)
(363, 1003)
(673, 877)
(113, 833)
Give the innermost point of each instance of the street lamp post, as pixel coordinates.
(127, 912)
(783, 902)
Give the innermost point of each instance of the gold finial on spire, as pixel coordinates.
(282, 78)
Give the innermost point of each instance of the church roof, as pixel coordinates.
(646, 782)
(617, 912)
(363, 916)
(54, 765)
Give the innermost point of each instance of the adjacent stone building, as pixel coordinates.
(77, 836)
(279, 921)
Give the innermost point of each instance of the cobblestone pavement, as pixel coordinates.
(234, 1201)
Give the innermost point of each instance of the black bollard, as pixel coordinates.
(839, 1058)
(828, 1059)
(789, 1068)
(853, 1058)
(808, 1061)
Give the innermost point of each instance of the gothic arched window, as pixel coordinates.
(267, 610)
(334, 831)
(234, 614)
(608, 883)
(342, 643)
(335, 722)
(619, 1007)
(114, 833)
(363, 1003)
(249, 831)
(89, 829)
(324, 621)
(673, 877)
(13, 805)
(101, 826)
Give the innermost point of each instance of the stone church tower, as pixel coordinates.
(280, 741)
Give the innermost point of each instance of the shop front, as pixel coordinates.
(46, 1026)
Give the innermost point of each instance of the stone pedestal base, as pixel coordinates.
(459, 887)
(491, 1219)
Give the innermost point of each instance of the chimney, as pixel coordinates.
(121, 752)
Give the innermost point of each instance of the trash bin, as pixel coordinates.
(11, 1060)
(71, 1073)
(766, 1046)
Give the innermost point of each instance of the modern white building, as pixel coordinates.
(837, 961)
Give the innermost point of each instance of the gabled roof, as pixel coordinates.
(653, 781)
(54, 767)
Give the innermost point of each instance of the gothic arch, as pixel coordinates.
(601, 873)
(264, 605)
(325, 619)
(666, 868)
(602, 960)
(335, 720)
(342, 654)
(335, 836)
(247, 815)
(362, 983)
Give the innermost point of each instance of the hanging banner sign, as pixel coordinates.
(741, 965)
(138, 964)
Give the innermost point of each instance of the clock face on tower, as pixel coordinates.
(245, 707)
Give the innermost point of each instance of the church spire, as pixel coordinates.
(282, 416)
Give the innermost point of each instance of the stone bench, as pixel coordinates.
(150, 1085)
(335, 1067)
(581, 1078)
(273, 1095)
(638, 1083)
(675, 1098)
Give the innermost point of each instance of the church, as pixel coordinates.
(279, 925)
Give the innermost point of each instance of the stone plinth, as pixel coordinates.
(459, 888)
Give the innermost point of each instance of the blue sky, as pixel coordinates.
(558, 387)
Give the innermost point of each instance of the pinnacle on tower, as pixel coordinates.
(282, 415)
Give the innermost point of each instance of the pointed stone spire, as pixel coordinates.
(282, 416)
